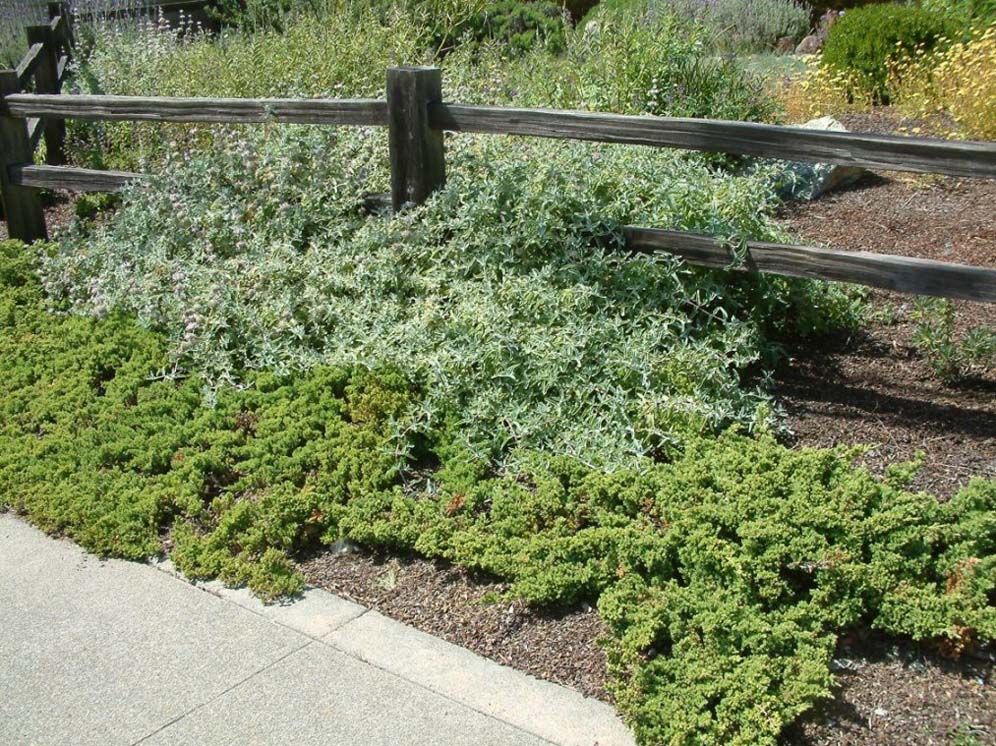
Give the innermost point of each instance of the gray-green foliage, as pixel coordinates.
(506, 293)
(729, 26)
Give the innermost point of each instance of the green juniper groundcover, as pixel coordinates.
(242, 363)
(724, 574)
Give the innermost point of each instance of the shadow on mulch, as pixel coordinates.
(889, 693)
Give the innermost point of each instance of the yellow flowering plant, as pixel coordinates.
(957, 85)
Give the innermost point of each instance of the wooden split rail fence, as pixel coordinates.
(416, 116)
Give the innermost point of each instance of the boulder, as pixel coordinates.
(804, 181)
(810, 45)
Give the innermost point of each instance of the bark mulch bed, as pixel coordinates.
(871, 387)
(466, 609)
(894, 693)
(889, 693)
(874, 386)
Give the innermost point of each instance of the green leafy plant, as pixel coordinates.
(866, 41)
(520, 25)
(724, 576)
(964, 14)
(951, 356)
(508, 293)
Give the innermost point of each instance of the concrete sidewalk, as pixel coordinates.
(111, 652)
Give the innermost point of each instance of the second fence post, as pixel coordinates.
(418, 165)
(47, 81)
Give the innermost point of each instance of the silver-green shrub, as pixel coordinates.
(507, 295)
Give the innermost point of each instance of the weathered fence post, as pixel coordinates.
(47, 81)
(66, 30)
(22, 206)
(418, 165)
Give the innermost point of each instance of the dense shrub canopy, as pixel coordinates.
(508, 293)
(724, 576)
(866, 40)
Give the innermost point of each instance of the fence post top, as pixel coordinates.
(39, 33)
(414, 69)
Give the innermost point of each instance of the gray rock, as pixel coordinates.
(810, 45)
(805, 181)
(785, 45)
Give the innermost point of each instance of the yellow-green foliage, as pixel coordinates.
(820, 91)
(867, 39)
(724, 576)
(959, 82)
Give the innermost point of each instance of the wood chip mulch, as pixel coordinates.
(875, 387)
(468, 610)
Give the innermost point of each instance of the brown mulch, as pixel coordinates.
(468, 610)
(888, 693)
(896, 694)
(875, 387)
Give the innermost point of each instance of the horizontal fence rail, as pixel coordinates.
(416, 117)
(899, 273)
(743, 138)
(953, 158)
(70, 178)
(360, 112)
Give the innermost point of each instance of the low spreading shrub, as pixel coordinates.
(724, 576)
(507, 293)
(866, 41)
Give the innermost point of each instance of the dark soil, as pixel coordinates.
(896, 694)
(875, 387)
(467, 610)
